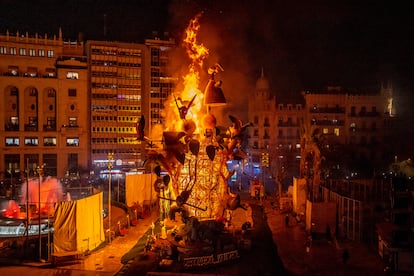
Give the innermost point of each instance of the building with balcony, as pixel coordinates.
(354, 125)
(275, 134)
(43, 103)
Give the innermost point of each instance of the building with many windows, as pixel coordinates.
(161, 83)
(275, 134)
(127, 81)
(116, 88)
(43, 105)
(68, 104)
(355, 126)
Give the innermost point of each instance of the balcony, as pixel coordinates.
(11, 127)
(364, 114)
(328, 122)
(287, 124)
(49, 127)
(327, 110)
(30, 127)
(71, 129)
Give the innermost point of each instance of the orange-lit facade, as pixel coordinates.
(363, 121)
(44, 103)
(68, 104)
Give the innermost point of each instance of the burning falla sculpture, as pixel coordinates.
(194, 163)
(191, 161)
(191, 166)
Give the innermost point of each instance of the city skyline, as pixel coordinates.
(299, 45)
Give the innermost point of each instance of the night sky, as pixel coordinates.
(300, 44)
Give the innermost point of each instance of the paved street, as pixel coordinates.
(324, 258)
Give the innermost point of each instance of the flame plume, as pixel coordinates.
(197, 53)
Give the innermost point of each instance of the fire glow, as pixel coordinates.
(190, 84)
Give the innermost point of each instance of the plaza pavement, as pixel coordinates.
(323, 258)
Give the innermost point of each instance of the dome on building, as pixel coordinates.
(262, 83)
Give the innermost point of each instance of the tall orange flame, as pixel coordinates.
(197, 52)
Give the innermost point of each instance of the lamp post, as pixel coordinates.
(118, 163)
(39, 171)
(110, 166)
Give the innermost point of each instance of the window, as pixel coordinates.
(49, 141)
(3, 50)
(72, 92)
(22, 51)
(32, 52)
(72, 75)
(51, 93)
(32, 121)
(50, 72)
(41, 53)
(73, 161)
(31, 71)
(50, 161)
(336, 131)
(50, 123)
(50, 53)
(13, 70)
(72, 142)
(73, 121)
(12, 141)
(31, 141)
(363, 110)
(13, 51)
(14, 120)
(12, 162)
(325, 131)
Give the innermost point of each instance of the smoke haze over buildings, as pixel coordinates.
(299, 44)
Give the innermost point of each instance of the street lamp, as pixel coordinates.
(110, 166)
(39, 171)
